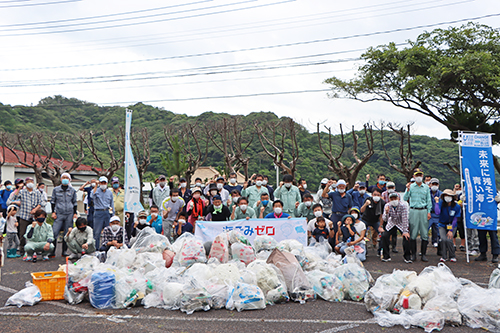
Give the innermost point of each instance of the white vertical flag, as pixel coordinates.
(132, 181)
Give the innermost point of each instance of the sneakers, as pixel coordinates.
(444, 259)
(495, 258)
(408, 261)
(482, 257)
(462, 248)
(45, 258)
(28, 258)
(435, 244)
(25, 257)
(73, 256)
(386, 259)
(473, 253)
(453, 260)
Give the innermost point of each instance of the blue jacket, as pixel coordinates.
(433, 195)
(358, 199)
(4, 196)
(157, 225)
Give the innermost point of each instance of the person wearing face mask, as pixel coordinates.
(277, 211)
(118, 198)
(184, 192)
(235, 196)
(80, 240)
(379, 185)
(395, 217)
(195, 207)
(155, 220)
(448, 211)
(391, 188)
(254, 192)
(161, 191)
(264, 206)
(460, 231)
(182, 226)
(142, 222)
(324, 201)
(242, 211)
(311, 225)
(372, 210)
(434, 220)
(217, 210)
(304, 209)
(172, 207)
(4, 196)
(341, 201)
(38, 237)
(103, 202)
(428, 180)
(198, 183)
(88, 203)
(64, 211)
(359, 196)
(289, 194)
(419, 197)
(113, 235)
(232, 184)
(270, 189)
(303, 188)
(217, 188)
(29, 200)
(41, 187)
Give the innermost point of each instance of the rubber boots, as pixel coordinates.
(11, 253)
(413, 249)
(423, 249)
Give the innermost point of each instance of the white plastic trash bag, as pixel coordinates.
(264, 243)
(243, 253)
(30, 295)
(355, 280)
(246, 297)
(327, 286)
(220, 248)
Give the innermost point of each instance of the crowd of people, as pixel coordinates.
(343, 217)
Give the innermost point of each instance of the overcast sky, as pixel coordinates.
(39, 35)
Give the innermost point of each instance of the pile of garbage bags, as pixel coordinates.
(433, 298)
(229, 272)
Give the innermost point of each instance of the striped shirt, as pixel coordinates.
(396, 217)
(29, 200)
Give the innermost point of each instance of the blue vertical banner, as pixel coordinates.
(478, 174)
(132, 180)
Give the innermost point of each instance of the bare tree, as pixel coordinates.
(116, 157)
(344, 171)
(406, 163)
(454, 168)
(241, 143)
(139, 144)
(73, 149)
(275, 135)
(193, 148)
(27, 154)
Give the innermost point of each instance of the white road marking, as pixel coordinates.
(186, 318)
(340, 328)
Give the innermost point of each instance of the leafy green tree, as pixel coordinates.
(451, 75)
(177, 165)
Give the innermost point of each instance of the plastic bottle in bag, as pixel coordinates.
(102, 290)
(246, 297)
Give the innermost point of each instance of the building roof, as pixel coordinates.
(10, 158)
(208, 172)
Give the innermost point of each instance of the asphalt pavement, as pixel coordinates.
(314, 316)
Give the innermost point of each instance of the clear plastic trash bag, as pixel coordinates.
(194, 297)
(327, 286)
(495, 279)
(479, 307)
(147, 240)
(121, 258)
(243, 253)
(30, 295)
(102, 290)
(245, 297)
(220, 248)
(192, 251)
(264, 243)
(355, 280)
(270, 281)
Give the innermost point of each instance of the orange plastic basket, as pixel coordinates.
(51, 284)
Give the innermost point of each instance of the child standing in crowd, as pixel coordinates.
(12, 232)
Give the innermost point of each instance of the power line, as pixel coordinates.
(40, 4)
(130, 18)
(106, 15)
(149, 22)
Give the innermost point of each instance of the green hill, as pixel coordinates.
(70, 115)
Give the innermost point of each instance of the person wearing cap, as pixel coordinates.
(195, 207)
(80, 240)
(303, 188)
(162, 191)
(325, 202)
(172, 207)
(341, 201)
(64, 205)
(142, 221)
(88, 203)
(253, 193)
(419, 197)
(113, 235)
(289, 194)
(304, 209)
(390, 188)
(38, 236)
(358, 239)
(233, 183)
(217, 210)
(103, 203)
(264, 206)
(395, 217)
(4, 196)
(448, 211)
(29, 200)
(372, 210)
(434, 220)
(359, 196)
(217, 188)
(184, 192)
(118, 198)
(380, 184)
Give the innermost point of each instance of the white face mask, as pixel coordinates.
(391, 190)
(418, 179)
(355, 215)
(243, 207)
(214, 192)
(92, 184)
(394, 203)
(30, 185)
(258, 183)
(376, 198)
(304, 186)
(264, 182)
(232, 180)
(448, 199)
(218, 207)
(181, 221)
(183, 185)
(115, 227)
(341, 190)
(278, 210)
(143, 221)
(318, 213)
(288, 185)
(459, 192)
(162, 184)
(362, 192)
(427, 183)
(198, 184)
(174, 199)
(434, 188)
(103, 187)
(235, 199)
(220, 186)
(308, 203)
(154, 214)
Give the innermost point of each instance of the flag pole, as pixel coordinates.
(463, 203)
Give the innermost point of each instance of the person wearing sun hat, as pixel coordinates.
(419, 197)
(448, 211)
(195, 207)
